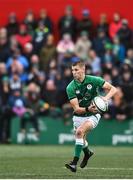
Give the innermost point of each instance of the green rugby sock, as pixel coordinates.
(78, 149)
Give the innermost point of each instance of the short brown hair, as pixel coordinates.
(79, 62)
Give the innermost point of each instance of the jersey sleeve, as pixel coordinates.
(99, 82)
(70, 92)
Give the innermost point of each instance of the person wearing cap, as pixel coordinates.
(85, 23)
(125, 34)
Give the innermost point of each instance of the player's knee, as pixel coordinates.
(79, 133)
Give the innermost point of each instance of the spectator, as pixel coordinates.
(30, 22)
(125, 34)
(85, 24)
(15, 82)
(103, 24)
(14, 67)
(129, 58)
(34, 61)
(61, 82)
(119, 51)
(5, 51)
(68, 23)
(66, 61)
(99, 43)
(5, 118)
(23, 75)
(47, 53)
(40, 36)
(46, 20)
(17, 59)
(13, 43)
(95, 63)
(115, 25)
(120, 107)
(41, 82)
(34, 106)
(3, 70)
(64, 45)
(82, 46)
(67, 113)
(12, 25)
(108, 56)
(23, 37)
(126, 84)
(115, 73)
(50, 92)
(33, 74)
(19, 108)
(28, 50)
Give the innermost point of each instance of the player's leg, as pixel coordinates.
(85, 148)
(79, 135)
(87, 153)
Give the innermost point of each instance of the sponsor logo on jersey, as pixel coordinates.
(87, 94)
(77, 91)
(89, 86)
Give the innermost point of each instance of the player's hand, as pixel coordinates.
(92, 108)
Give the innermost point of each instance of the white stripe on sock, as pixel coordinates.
(79, 142)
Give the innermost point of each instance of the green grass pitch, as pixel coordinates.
(47, 162)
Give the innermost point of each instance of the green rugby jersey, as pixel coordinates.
(84, 91)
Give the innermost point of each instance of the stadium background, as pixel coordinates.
(55, 8)
(45, 158)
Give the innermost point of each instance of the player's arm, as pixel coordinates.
(111, 91)
(81, 110)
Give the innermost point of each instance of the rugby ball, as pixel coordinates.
(101, 105)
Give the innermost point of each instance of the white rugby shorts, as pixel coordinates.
(94, 119)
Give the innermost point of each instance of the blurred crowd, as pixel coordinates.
(35, 69)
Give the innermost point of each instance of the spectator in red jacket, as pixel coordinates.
(23, 37)
(115, 25)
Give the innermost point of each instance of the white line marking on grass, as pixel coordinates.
(108, 168)
(121, 169)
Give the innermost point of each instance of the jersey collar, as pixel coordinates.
(80, 82)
